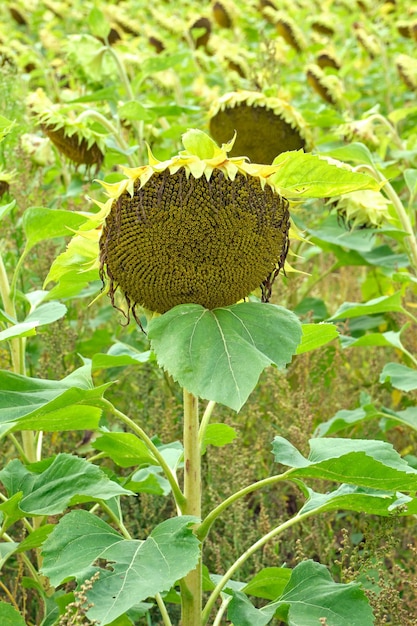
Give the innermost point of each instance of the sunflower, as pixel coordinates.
(74, 139)
(265, 126)
(201, 227)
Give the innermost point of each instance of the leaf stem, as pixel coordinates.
(163, 610)
(248, 553)
(206, 524)
(98, 117)
(205, 422)
(176, 491)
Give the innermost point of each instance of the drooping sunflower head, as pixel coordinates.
(329, 87)
(74, 139)
(363, 209)
(265, 126)
(199, 228)
(407, 70)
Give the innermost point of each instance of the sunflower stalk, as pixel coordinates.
(17, 351)
(191, 585)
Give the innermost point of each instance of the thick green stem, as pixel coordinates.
(17, 346)
(191, 585)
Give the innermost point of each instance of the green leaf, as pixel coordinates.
(355, 152)
(42, 315)
(68, 479)
(345, 418)
(6, 550)
(52, 405)
(198, 143)
(6, 208)
(134, 111)
(218, 435)
(162, 62)
(9, 616)
(390, 338)
(149, 480)
(366, 463)
(315, 336)
(400, 376)
(219, 355)
(40, 223)
(5, 126)
(384, 304)
(119, 355)
(36, 538)
(76, 541)
(98, 24)
(410, 177)
(309, 596)
(140, 569)
(269, 583)
(353, 498)
(47, 313)
(331, 232)
(309, 176)
(125, 449)
(74, 268)
(24, 329)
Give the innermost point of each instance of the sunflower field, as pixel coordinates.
(208, 313)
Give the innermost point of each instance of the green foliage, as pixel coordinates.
(139, 568)
(100, 501)
(310, 595)
(219, 354)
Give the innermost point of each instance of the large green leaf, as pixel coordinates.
(361, 499)
(220, 354)
(74, 268)
(345, 418)
(315, 336)
(330, 231)
(310, 176)
(52, 405)
(268, 583)
(9, 616)
(40, 223)
(356, 152)
(384, 304)
(366, 463)
(400, 376)
(125, 449)
(119, 355)
(42, 315)
(67, 480)
(140, 569)
(389, 338)
(310, 595)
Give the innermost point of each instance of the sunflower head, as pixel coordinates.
(76, 141)
(265, 126)
(328, 87)
(201, 227)
(407, 70)
(363, 209)
(222, 14)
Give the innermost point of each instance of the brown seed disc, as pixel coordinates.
(261, 133)
(185, 240)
